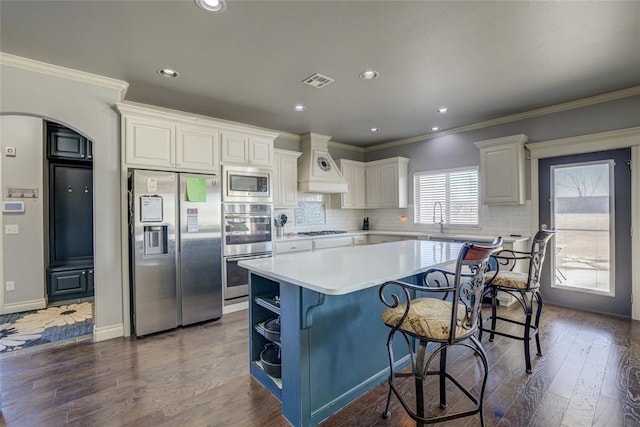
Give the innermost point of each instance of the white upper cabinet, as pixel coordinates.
(386, 183)
(261, 151)
(502, 178)
(158, 138)
(246, 149)
(354, 173)
(234, 148)
(197, 149)
(149, 142)
(285, 178)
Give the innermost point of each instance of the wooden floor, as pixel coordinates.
(198, 376)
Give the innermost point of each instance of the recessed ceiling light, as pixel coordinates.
(435, 128)
(374, 129)
(444, 109)
(211, 5)
(299, 107)
(368, 75)
(167, 72)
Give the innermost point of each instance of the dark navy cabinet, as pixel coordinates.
(70, 183)
(63, 143)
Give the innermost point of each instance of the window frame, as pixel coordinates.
(446, 205)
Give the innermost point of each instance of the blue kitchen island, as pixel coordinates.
(332, 341)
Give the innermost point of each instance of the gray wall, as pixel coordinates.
(458, 150)
(24, 170)
(88, 109)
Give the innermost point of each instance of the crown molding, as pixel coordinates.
(602, 141)
(63, 72)
(346, 146)
(552, 109)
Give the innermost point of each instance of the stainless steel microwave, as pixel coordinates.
(246, 184)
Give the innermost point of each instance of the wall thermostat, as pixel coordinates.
(13, 207)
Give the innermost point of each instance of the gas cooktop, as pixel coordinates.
(321, 233)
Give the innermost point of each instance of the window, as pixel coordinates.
(456, 191)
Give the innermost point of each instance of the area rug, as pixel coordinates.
(30, 328)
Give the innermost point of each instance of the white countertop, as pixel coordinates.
(413, 234)
(343, 270)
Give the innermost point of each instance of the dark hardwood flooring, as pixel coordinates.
(198, 376)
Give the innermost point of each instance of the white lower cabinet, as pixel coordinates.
(285, 247)
(384, 238)
(333, 242)
(360, 240)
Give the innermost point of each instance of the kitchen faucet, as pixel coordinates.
(441, 216)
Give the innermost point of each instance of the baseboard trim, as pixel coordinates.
(18, 307)
(235, 307)
(350, 396)
(108, 332)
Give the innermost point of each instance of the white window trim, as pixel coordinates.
(447, 171)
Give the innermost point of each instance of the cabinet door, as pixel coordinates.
(234, 148)
(260, 152)
(149, 142)
(197, 149)
(293, 246)
(70, 212)
(68, 283)
(354, 174)
(501, 175)
(89, 150)
(374, 192)
(332, 242)
(276, 185)
(288, 181)
(389, 185)
(63, 143)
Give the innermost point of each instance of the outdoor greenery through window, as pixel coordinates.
(455, 190)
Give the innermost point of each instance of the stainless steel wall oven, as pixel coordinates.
(246, 234)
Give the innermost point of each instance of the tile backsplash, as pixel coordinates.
(309, 219)
(494, 220)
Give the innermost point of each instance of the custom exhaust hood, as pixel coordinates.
(317, 172)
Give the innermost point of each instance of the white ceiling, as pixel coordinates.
(484, 59)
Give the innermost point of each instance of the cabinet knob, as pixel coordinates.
(81, 155)
(69, 189)
(84, 272)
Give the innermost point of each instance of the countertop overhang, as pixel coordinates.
(340, 271)
(413, 234)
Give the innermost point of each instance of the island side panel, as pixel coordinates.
(334, 350)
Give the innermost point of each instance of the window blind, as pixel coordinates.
(457, 192)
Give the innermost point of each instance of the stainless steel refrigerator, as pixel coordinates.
(175, 249)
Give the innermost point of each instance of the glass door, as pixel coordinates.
(587, 199)
(582, 212)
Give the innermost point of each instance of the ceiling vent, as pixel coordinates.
(318, 80)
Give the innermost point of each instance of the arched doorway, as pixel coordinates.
(27, 166)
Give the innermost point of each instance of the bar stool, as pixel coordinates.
(524, 287)
(451, 320)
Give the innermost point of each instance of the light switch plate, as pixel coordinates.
(11, 285)
(10, 151)
(11, 229)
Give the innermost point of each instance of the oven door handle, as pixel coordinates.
(244, 258)
(245, 216)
